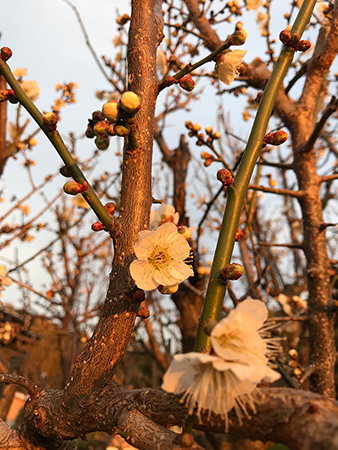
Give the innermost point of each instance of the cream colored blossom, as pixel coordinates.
(25, 209)
(218, 383)
(160, 258)
(20, 72)
(4, 280)
(211, 384)
(165, 213)
(31, 89)
(228, 66)
(253, 4)
(240, 337)
(161, 63)
(79, 201)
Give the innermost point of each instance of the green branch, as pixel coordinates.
(56, 140)
(216, 289)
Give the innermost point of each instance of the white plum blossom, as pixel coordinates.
(253, 4)
(228, 65)
(165, 213)
(225, 380)
(31, 89)
(160, 258)
(4, 280)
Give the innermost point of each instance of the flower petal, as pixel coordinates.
(142, 274)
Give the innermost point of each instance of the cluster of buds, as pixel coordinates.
(5, 53)
(202, 139)
(275, 138)
(225, 177)
(6, 94)
(232, 271)
(110, 208)
(234, 7)
(74, 188)
(50, 121)
(239, 234)
(294, 41)
(115, 119)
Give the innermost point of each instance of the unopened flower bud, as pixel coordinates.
(225, 177)
(6, 94)
(143, 312)
(285, 36)
(276, 138)
(65, 172)
(208, 325)
(293, 353)
(50, 120)
(102, 142)
(122, 129)
(167, 290)
(208, 161)
(90, 132)
(97, 226)
(110, 130)
(232, 271)
(110, 207)
(186, 440)
(100, 128)
(205, 155)
(130, 102)
(217, 135)
(122, 20)
(139, 296)
(303, 46)
(208, 130)
(187, 83)
(74, 188)
(168, 81)
(295, 38)
(239, 37)
(6, 53)
(297, 372)
(239, 234)
(188, 124)
(97, 116)
(184, 231)
(110, 111)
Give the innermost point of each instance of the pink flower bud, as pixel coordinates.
(276, 138)
(303, 46)
(97, 226)
(6, 53)
(187, 83)
(102, 142)
(6, 94)
(239, 234)
(74, 188)
(168, 81)
(143, 312)
(225, 177)
(231, 272)
(110, 207)
(285, 36)
(50, 120)
(110, 130)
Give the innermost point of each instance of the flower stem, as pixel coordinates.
(216, 289)
(56, 140)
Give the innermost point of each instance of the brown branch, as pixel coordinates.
(269, 190)
(3, 118)
(33, 390)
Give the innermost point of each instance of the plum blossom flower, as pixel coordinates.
(165, 213)
(4, 280)
(240, 337)
(31, 89)
(160, 258)
(20, 72)
(253, 4)
(228, 65)
(225, 380)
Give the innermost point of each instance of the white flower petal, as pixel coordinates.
(142, 273)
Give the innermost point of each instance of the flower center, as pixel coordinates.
(159, 257)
